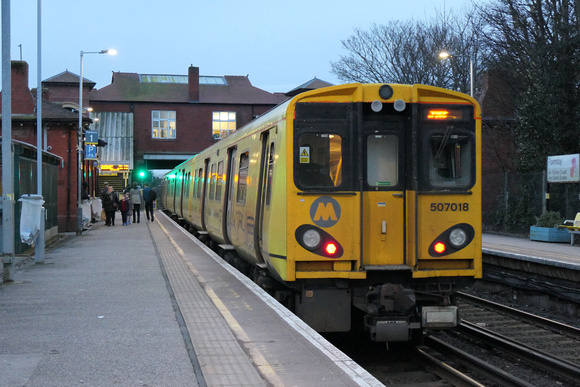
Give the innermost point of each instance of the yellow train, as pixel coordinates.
(358, 197)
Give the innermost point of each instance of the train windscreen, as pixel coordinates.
(320, 160)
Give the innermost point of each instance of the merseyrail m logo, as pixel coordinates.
(325, 212)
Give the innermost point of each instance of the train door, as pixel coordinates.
(227, 218)
(173, 195)
(383, 200)
(181, 192)
(263, 204)
(203, 198)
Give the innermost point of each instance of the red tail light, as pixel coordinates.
(440, 247)
(330, 248)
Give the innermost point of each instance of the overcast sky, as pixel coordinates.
(279, 44)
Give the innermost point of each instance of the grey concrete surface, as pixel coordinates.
(97, 313)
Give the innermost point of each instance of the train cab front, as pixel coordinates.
(389, 176)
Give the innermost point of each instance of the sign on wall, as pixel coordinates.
(563, 169)
(91, 137)
(90, 152)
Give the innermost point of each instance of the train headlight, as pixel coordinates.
(457, 237)
(385, 91)
(311, 239)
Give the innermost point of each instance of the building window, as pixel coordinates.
(223, 124)
(163, 124)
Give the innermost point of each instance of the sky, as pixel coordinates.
(279, 44)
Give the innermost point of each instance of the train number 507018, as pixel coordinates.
(444, 207)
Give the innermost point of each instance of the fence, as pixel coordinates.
(512, 202)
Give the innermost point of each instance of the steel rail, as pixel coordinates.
(535, 356)
(493, 373)
(528, 317)
(456, 377)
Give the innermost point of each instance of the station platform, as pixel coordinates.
(149, 305)
(561, 255)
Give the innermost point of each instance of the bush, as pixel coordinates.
(549, 219)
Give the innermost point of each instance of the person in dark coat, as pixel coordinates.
(110, 205)
(125, 208)
(105, 188)
(84, 193)
(149, 196)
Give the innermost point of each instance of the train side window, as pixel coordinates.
(319, 160)
(199, 182)
(184, 184)
(243, 178)
(270, 175)
(382, 160)
(212, 180)
(188, 183)
(219, 181)
(451, 159)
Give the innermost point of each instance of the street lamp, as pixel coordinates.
(446, 55)
(80, 139)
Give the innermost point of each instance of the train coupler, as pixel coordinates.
(384, 329)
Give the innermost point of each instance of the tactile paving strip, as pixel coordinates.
(223, 361)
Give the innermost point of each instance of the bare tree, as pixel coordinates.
(408, 52)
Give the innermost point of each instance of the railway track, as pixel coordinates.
(531, 346)
(476, 371)
(402, 365)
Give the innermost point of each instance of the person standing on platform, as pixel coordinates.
(110, 205)
(136, 199)
(125, 207)
(130, 211)
(84, 193)
(149, 195)
(105, 188)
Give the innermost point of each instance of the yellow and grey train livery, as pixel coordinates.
(358, 197)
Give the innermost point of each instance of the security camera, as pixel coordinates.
(49, 148)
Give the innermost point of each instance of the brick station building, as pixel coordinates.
(60, 126)
(152, 121)
(148, 121)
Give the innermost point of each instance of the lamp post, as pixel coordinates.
(446, 55)
(80, 139)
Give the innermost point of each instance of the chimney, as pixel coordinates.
(193, 82)
(22, 101)
(46, 93)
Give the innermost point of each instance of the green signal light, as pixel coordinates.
(142, 174)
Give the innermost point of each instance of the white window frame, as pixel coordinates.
(163, 124)
(223, 123)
